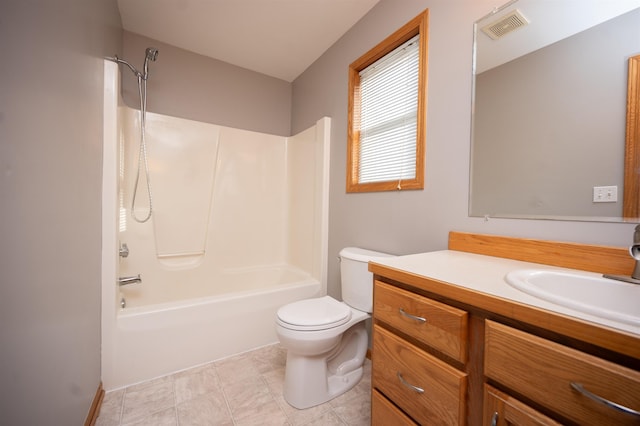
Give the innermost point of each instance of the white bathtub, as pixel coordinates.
(159, 339)
(212, 281)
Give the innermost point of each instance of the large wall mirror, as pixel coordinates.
(556, 113)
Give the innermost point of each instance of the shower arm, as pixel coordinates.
(131, 67)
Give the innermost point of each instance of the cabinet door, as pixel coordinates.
(501, 409)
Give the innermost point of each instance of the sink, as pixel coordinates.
(591, 294)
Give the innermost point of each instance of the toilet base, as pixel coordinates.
(313, 380)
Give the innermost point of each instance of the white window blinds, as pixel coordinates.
(388, 116)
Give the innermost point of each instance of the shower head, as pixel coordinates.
(150, 53)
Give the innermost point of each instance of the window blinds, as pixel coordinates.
(388, 116)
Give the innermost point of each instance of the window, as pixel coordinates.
(387, 106)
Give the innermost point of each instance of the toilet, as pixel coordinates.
(326, 340)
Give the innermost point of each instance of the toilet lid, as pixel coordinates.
(314, 314)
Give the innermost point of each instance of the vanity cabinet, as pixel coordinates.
(446, 354)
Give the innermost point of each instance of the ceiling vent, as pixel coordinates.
(505, 25)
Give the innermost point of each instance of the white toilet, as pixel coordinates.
(326, 340)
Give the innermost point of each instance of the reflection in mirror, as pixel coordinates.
(631, 207)
(550, 113)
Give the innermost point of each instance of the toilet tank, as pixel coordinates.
(356, 280)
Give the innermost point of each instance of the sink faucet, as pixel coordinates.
(129, 280)
(634, 251)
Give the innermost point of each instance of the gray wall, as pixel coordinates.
(417, 221)
(187, 85)
(51, 89)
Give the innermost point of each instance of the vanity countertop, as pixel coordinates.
(478, 280)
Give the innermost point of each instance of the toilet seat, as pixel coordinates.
(314, 314)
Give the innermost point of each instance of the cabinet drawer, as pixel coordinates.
(384, 413)
(426, 388)
(501, 409)
(436, 324)
(544, 371)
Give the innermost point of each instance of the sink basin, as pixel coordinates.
(591, 294)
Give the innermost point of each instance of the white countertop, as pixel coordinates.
(486, 274)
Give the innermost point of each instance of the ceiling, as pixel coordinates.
(279, 38)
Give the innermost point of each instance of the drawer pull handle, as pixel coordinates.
(409, 385)
(413, 317)
(593, 396)
(494, 419)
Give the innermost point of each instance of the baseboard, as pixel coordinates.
(94, 411)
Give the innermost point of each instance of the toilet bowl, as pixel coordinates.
(326, 340)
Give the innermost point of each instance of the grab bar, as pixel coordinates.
(129, 280)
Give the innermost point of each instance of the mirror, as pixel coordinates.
(556, 111)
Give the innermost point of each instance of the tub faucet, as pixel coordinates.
(129, 280)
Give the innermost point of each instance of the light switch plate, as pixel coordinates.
(605, 194)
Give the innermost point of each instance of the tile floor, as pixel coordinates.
(242, 390)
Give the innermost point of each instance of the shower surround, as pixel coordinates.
(239, 228)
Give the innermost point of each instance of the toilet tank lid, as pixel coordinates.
(362, 255)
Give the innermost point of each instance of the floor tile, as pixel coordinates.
(209, 409)
(199, 382)
(141, 402)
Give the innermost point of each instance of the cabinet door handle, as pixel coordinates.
(494, 419)
(413, 317)
(409, 385)
(580, 388)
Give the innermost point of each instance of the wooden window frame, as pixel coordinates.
(418, 25)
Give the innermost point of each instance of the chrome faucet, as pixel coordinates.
(129, 280)
(634, 251)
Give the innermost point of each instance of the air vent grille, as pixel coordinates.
(505, 25)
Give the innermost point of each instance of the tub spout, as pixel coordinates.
(129, 280)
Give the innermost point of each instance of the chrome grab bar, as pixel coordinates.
(129, 280)
(410, 386)
(580, 388)
(413, 317)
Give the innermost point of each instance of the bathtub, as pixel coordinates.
(153, 340)
(211, 282)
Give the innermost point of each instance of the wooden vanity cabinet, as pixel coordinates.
(443, 354)
(421, 368)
